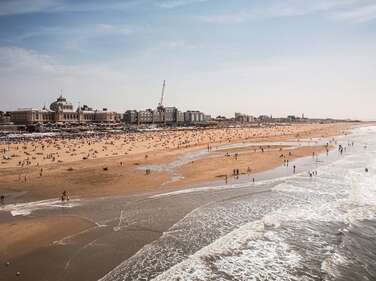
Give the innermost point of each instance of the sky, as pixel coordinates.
(274, 57)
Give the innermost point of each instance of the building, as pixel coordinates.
(4, 117)
(193, 116)
(145, 117)
(179, 117)
(161, 115)
(62, 111)
(170, 115)
(243, 118)
(164, 115)
(131, 117)
(207, 118)
(264, 118)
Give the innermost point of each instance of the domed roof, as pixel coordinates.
(61, 104)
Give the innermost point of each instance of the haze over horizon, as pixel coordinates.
(269, 57)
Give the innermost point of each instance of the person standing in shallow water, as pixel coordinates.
(64, 196)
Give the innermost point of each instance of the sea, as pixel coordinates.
(289, 228)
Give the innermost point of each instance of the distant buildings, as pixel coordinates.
(243, 118)
(4, 117)
(192, 116)
(62, 111)
(164, 116)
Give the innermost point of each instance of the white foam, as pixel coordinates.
(330, 264)
(220, 187)
(24, 209)
(256, 252)
(342, 193)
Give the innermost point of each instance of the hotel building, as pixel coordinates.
(62, 111)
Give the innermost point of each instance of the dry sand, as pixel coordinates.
(102, 175)
(46, 151)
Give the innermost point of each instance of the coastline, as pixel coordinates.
(152, 233)
(123, 174)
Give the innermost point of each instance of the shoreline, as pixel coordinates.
(124, 174)
(142, 234)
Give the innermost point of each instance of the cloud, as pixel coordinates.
(14, 7)
(170, 4)
(30, 79)
(179, 44)
(358, 15)
(313, 85)
(353, 10)
(83, 31)
(94, 31)
(72, 36)
(14, 59)
(105, 28)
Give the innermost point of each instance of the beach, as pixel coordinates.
(110, 164)
(104, 184)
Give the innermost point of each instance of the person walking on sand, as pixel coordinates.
(2, 199)
(226, 179)
(294, 169)
(64, 196)
(248, 170)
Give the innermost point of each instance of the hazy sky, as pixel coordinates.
(278, 57)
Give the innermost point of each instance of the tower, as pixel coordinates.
(162, 95)
(160, 108)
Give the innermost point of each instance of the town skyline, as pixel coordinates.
(82, 105)
(264, 57)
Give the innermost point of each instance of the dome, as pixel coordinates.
(61, 104)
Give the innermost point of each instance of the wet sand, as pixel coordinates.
(92, 253)
(28, 234)
(249, 161)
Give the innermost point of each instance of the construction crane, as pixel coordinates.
(163, 92)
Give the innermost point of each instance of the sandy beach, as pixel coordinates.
(110, 165)
(116, 165)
